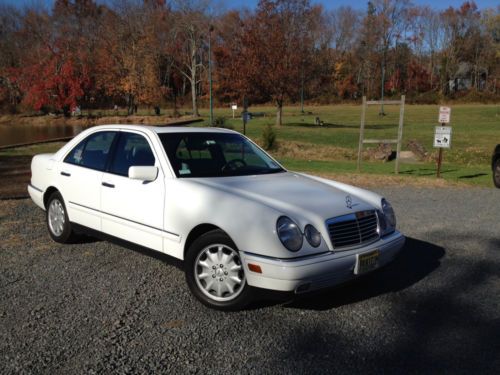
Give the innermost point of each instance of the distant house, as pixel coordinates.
(463, 78)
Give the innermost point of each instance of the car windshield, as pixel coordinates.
(215, 155)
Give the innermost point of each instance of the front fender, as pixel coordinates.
(251, 225)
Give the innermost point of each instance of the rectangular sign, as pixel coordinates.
(234, 107)
(444, 115)
(442, 137)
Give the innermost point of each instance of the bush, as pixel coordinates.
(268, 137)
(429, 97)
(220, 122)
(474, 96)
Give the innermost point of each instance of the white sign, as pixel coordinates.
(444, 115)
(442, 137)
(234, 107)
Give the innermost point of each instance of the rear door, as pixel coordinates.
(80, 176)
(133, 209)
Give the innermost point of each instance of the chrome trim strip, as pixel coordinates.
(122, 218)
(34, 187)
(302, 257)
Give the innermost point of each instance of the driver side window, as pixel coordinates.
(132, 150)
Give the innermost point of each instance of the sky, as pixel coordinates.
(328, 4)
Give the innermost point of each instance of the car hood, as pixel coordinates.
(290, 193)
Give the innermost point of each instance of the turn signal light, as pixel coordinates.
(254, 268)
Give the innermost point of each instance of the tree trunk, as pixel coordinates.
(193, 78)
(193, 97)
(279, 112)
(130, 109)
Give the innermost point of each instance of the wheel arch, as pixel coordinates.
(48, 193)
(198, 231)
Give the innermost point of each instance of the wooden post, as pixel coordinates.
(361, 133)
(400, 131)
(440, 161)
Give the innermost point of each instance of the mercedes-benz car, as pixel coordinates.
(214, 199)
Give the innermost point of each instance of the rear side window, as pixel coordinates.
(93, 151)
(132, 150)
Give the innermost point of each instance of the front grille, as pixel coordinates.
(353, 229)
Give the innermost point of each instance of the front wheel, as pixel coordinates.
(215, 273)
(496, 173)
(57, 220)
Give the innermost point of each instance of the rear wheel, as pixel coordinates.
(215, 273)
(496, 173)
(57, 220)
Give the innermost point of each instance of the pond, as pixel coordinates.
(30, 133)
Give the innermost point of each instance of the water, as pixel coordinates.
(28, 133)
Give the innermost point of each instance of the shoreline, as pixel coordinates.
(85, 121)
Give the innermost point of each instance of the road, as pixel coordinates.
(99, 307)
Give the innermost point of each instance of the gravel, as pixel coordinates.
(98, 307)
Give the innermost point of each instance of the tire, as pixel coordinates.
(57, 219)
(215, 274)
(496, 173)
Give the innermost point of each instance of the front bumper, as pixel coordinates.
(319, 271)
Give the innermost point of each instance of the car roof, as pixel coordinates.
(164, 129)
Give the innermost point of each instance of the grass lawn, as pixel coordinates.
(332, 149)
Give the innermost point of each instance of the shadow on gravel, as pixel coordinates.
(448, 326)
(416, 260)
(96, 236)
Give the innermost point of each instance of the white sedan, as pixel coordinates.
(214, 199)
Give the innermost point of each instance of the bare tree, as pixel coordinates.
(391, 16)
(192, 27)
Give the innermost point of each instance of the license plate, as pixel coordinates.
(366, 262)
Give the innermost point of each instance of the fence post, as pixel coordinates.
(400, 131)
(361, 133)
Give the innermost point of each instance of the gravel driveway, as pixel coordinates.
(99, 307)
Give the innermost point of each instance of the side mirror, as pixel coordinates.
(143, 173)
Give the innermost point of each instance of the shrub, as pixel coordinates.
(220, 122)
(429, 97)
(474, 96)
(268, 137)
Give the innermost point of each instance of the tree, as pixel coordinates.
(390, 17)
(192, 29)
(272, 44)
(10, 24)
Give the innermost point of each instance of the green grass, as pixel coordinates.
(476, 131)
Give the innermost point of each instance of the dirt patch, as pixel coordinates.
(310, 151)
(376, 181)
(15, 175)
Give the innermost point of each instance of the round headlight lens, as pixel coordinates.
(289, 233)
(389, 214)
(312, 235)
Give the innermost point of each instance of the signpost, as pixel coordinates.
(245, 114)
(234, 107)
(442, 135)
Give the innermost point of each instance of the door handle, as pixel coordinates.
(107, 185)
(65, 174)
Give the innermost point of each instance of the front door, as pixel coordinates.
(133, 209)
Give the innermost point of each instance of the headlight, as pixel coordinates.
(289, 233)
(312, 235)
(388, 224)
